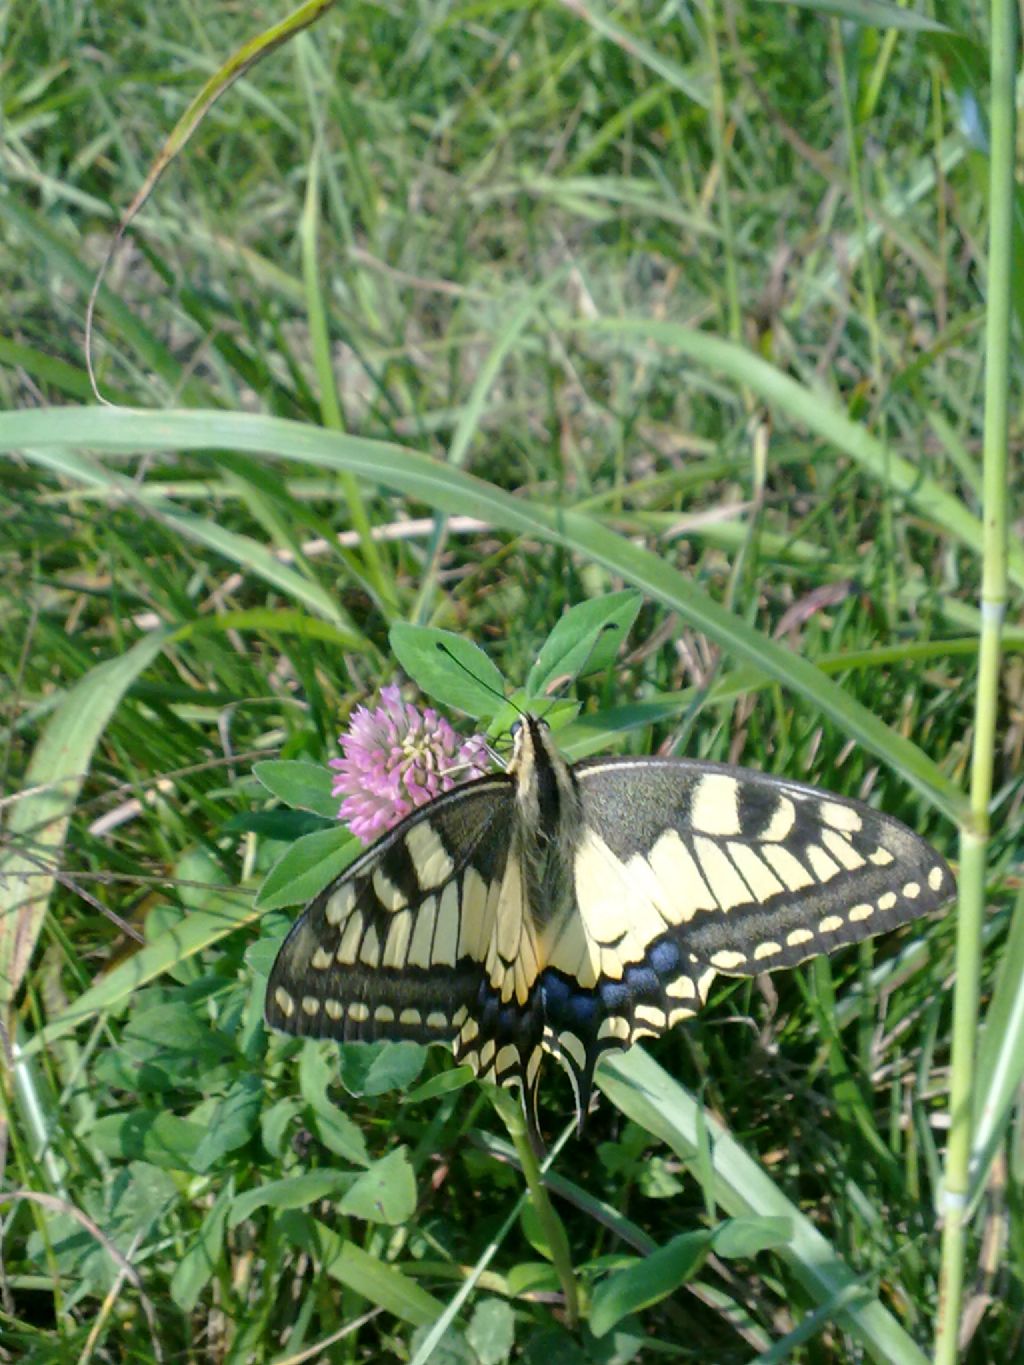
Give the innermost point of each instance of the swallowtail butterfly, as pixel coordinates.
(569, 909)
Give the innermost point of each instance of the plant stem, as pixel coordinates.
(554, 1230)
(974, 838)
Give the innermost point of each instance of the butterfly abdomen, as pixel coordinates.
(549, 825)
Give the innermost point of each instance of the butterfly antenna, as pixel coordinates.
(450, 654)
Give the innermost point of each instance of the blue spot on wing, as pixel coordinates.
(568, 1006)
(642, 982)
(665, 958)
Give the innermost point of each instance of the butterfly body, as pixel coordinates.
(566, 910)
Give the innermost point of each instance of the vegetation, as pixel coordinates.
(463, 317)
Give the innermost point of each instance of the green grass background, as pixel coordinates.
(558, 299)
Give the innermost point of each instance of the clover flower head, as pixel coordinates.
(396, 758)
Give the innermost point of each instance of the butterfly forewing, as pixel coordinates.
(425, 937)
(390, 949)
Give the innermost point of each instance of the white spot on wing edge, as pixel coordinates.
(284, 1002)
(764, 950)
(727, 959)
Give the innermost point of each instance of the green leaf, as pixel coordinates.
(657, 1179)
(369, 1276)
(555, 1346)
(341, 1135)
(306, 786)
(196, 1268)
(172, 1029)
(386, 1193)
(454, 1078)
(38, 821)
(275, 1122)
(294, 1192)
(648, 1280)
(492, 1331)
(746, 1237)
(448, 668)
(585, 640)
(532, 1277)
(150, 1135)
(167, 1047)
(317, 1071)
(452, 1349)
(303, 871)
(376, 1068)
(233, 1123)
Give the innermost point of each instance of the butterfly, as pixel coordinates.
(570, 909)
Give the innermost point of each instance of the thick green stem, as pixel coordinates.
(554, 1230)
(974, 839)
